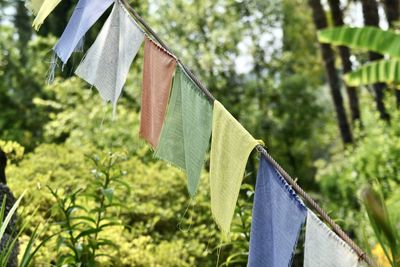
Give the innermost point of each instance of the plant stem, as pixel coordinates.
(101, 206)
(70, 231)
(243, 222)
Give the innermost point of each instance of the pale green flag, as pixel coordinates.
(231, 146)
(186, 132)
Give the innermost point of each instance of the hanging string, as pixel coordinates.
(183, 217)
(336, 228)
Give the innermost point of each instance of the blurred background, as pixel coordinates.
(263, 61)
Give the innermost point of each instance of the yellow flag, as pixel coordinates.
(231, 146)
(34, 5)
(46, 8)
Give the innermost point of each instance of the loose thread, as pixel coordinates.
(104, 115)
(52, 68)
(183, 216)
(218, 254)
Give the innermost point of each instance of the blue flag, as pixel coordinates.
(278, 215)
(86, 13)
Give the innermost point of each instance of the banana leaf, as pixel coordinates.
(387, 71)
(365, 38)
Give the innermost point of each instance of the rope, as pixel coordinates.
(336, 228)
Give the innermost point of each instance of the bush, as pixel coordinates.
(375, 159)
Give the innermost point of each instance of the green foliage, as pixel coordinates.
(13, 150)
(9, 241)
(81, 227)
(378, 71)
(21, 81)
(368, 39)
(150, 235)
(374, 158)
(383, 226)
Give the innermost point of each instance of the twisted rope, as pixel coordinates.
(336, 228)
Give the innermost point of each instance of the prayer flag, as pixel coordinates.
(45, 9)
(324, 248)
(231, 146)
(278, 215)
(108, 60)
(86, 13)
(186, 132)
(34, 5)
(158, 70)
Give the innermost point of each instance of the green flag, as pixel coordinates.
(186, 131)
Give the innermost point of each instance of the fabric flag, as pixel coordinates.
(108, 60)
(278, 215)
(86, 13)
(186, 132)
(158, 70)
(34, 5)
(45, 9)
(324, 248)
(231, 146)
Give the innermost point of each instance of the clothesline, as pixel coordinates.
(336, 228)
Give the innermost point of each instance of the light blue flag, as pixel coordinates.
(86, 13)
(278, 215)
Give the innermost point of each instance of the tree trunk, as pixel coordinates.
(3, 164)
(333, 77)
(344, 51)
(371, 18)
(22, 23)
(392, 10)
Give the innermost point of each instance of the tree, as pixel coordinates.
(371, 18)
(344, 53)
(392, 10)
(332, 75)
(22, 23)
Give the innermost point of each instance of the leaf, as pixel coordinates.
(84, 218)
(106, 242)
(381, 222)
(387, 71)
(28, 256)
(6, 221)
(124, 184)
(98, 209)
(365, 38)
(87, 232)
(109, 193)
(109, 224)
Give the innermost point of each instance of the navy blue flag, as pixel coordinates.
(278, 215)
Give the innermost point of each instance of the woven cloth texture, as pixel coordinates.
(278, 215)
(107, 63)
(231, 146)
(185, 135)
(44, 11)
(85, 14)
(34, 5)
(158, 70)
(324, 248)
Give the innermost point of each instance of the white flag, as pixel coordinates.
(324, 248)
(107, 63)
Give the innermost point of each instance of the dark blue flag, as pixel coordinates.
(278, 215)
